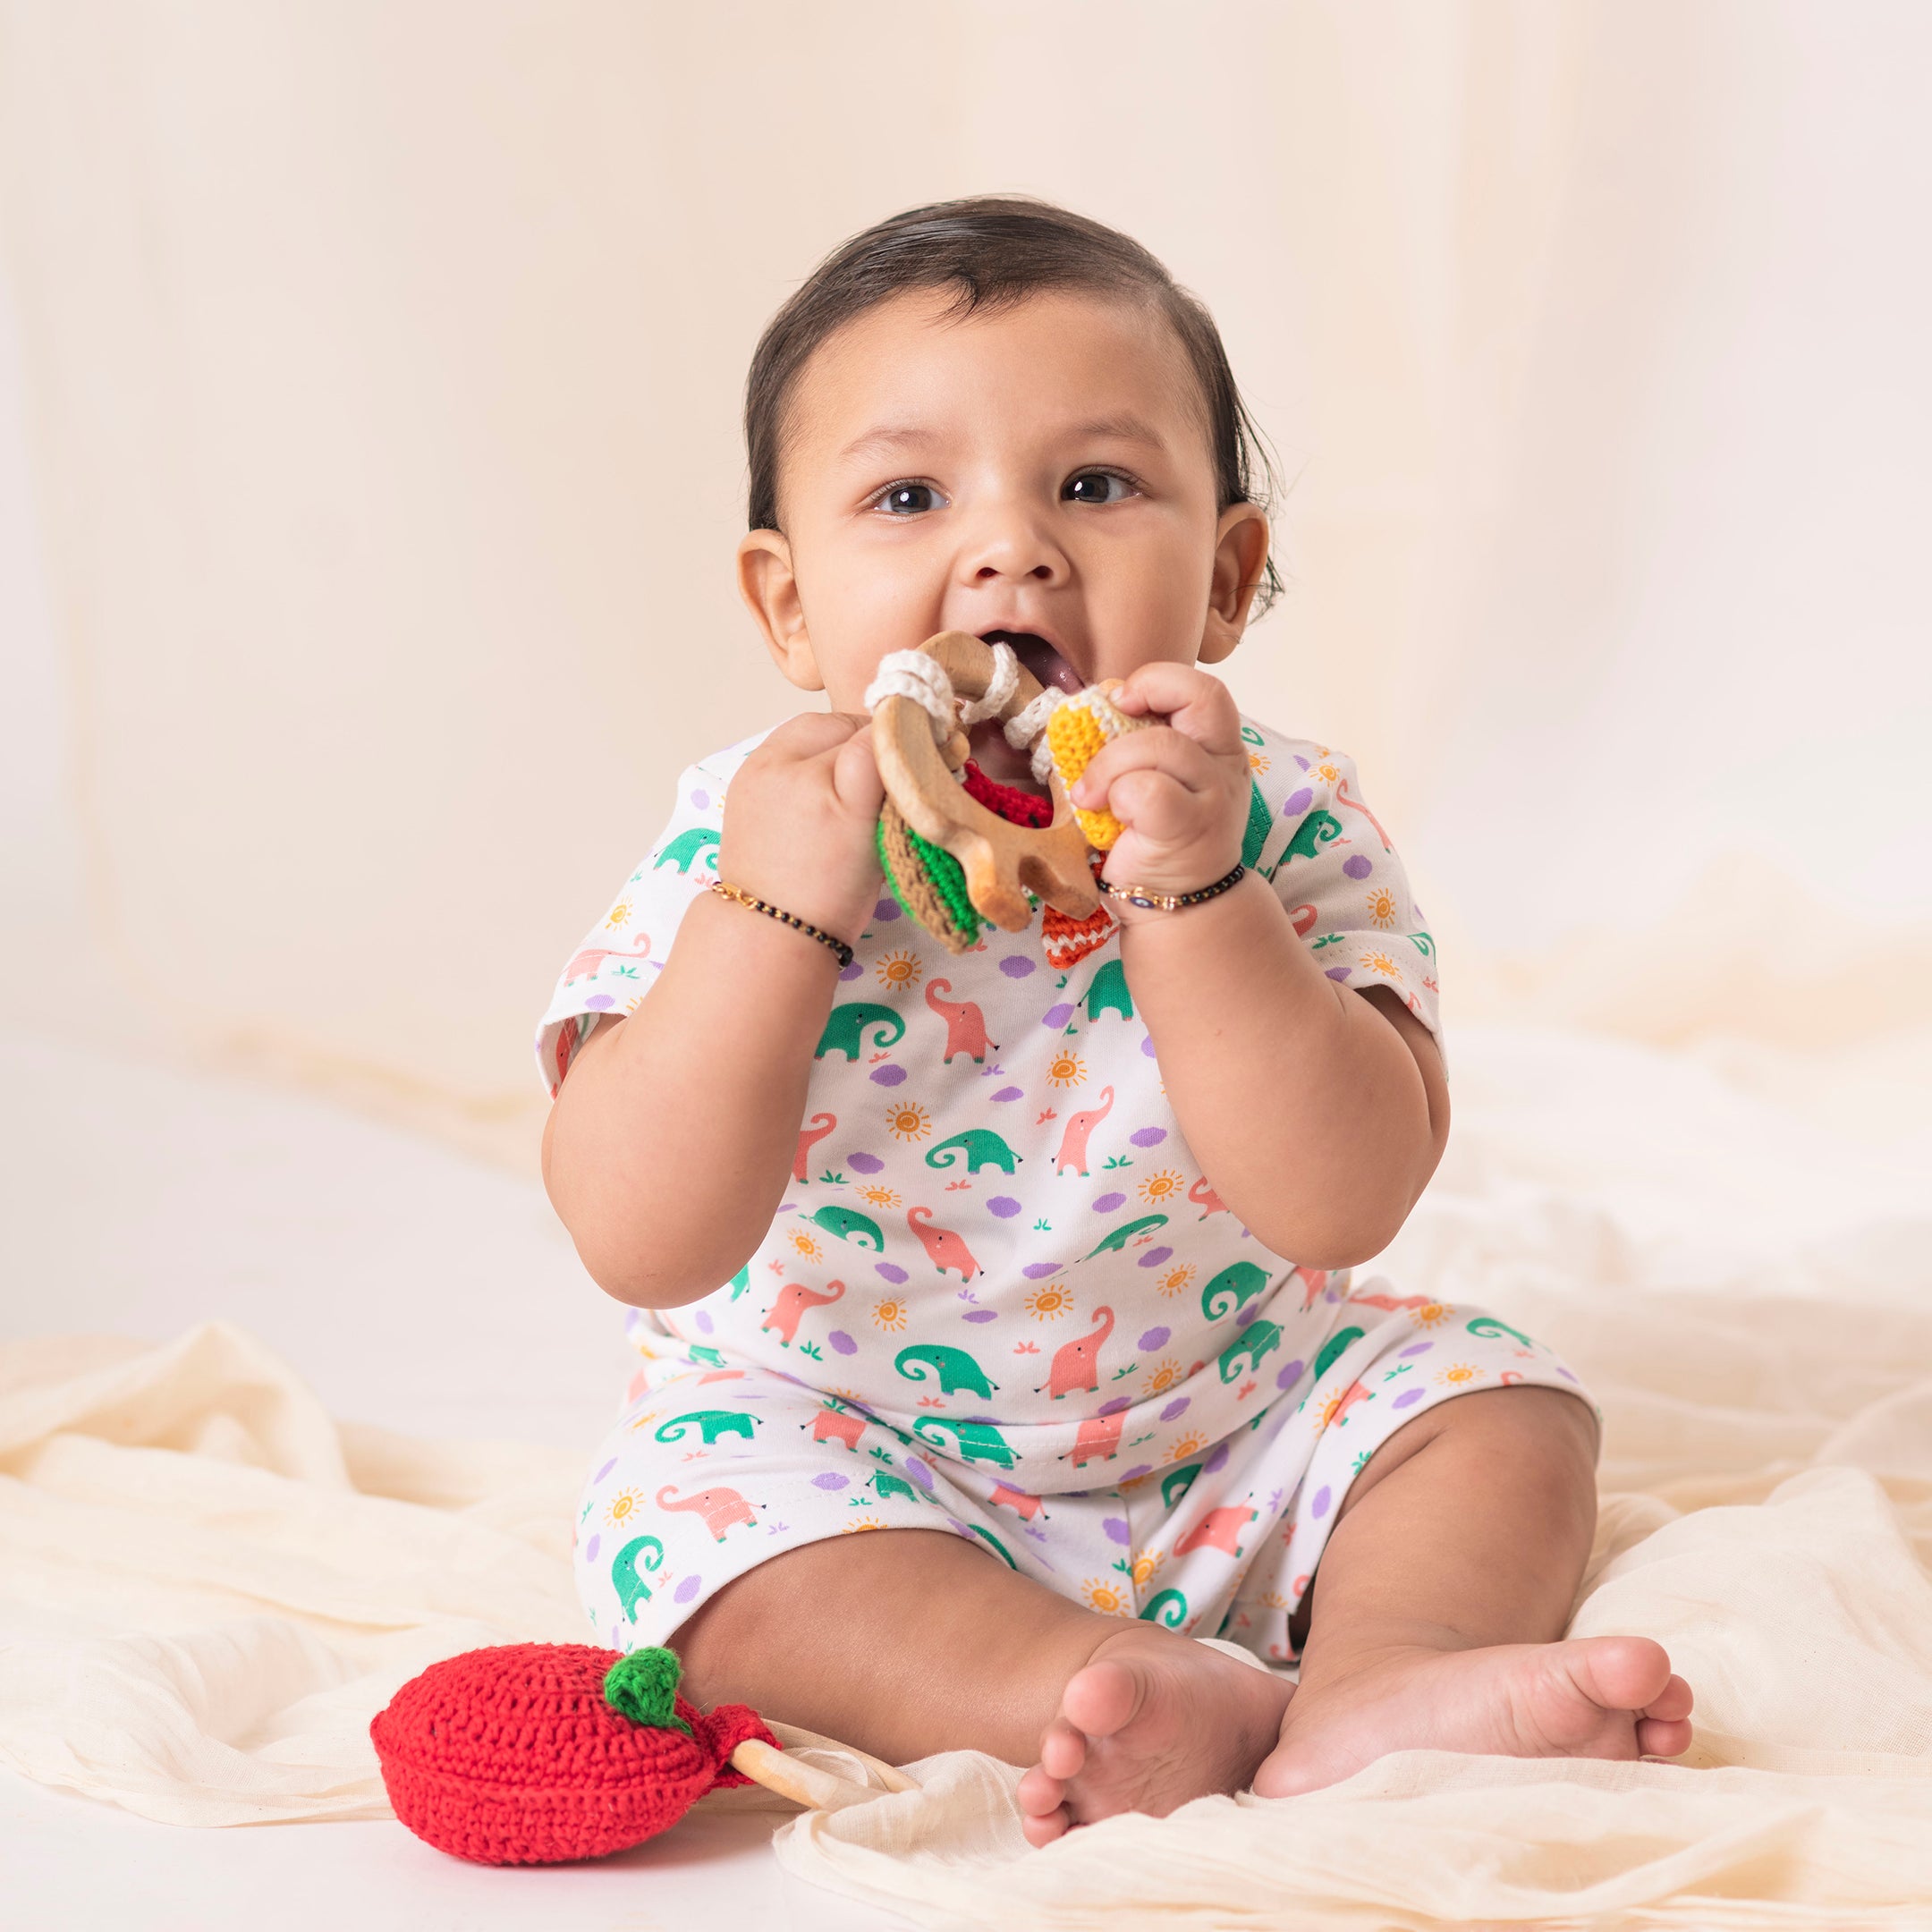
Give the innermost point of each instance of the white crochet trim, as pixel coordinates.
(1027, 726)
(921, 677)
(1000, 687)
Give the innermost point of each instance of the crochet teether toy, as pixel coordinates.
(956, 847)
(534, 1754)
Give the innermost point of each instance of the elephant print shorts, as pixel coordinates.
(715, 1466)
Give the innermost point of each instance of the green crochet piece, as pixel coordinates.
(643, 1686)
(945, 874)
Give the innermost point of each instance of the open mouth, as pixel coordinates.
(1038, 657)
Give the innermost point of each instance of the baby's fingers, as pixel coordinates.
(1197, 706)
(810, 734)
(1157, 806)
(1181, 758)
(855, 775)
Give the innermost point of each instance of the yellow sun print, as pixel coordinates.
(1049, 1303)
(880, 1197)
(1160, 1188)
(889, 1311)
(1065, 1070)
(1382, 906)
(1108, 1597)
(898, 970)
(909, 1120)
(623, 1506)
(1175, 1280)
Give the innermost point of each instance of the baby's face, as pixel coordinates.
(1041, 471)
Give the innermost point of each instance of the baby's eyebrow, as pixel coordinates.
(888, 437)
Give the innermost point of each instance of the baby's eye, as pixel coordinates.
(1097, 486)
(908, 499)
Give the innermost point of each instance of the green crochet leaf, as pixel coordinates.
(643, 1686)
(947, 874)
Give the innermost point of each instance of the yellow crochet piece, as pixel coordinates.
(1075, 733)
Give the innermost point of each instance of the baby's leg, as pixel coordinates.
(906, 1643)
(1441, 1595)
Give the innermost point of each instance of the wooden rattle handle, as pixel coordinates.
(1002, 862)
(805, 1785)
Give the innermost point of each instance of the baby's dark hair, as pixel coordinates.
(994, 251)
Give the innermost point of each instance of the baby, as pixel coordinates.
(1037, 1260)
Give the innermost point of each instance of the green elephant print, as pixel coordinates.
(624, 1571)
(845, 1029)
(1176, 1483)
(849, 1224)
(987, 1535)
(1332, 1348)
(974, 1441)
(1108, 993)
(1318, 828)
(886, 1484)
(704, 1354)
(981, 1147)
(712, 1423)
(683, 850)
(1254, 837)
(1117, 1240)
(954, 1367)
(1244, 1352)
(1167, 1606)
(1489, 1327)
(741, 1281)
(1242, 1279)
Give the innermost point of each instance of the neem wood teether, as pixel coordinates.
(535, 1754)
(919, 737)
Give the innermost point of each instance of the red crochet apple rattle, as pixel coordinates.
(533, 1754)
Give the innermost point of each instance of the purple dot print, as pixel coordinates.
(864, 1163)
(591, 1549)
(703, 1319)
(688, 1588)
(600, 1001)
(1153, 1256)
(1117, 1530)
(888, 1076)
(606, 1470)
(831, 1479)
(1146, 1047)
(700, 800)
(1290, 1376)
(1358, 866)
(1300, 760)
(1115, 1406)
(1056, 1017)
(1175, 1409)
(1016, 968)
(1138, 1469)
(1247, 1314)
(1108, 1203)
(1154, 1338)
(1415, 1348)
(919, 1472)
(1005, 1206)
(1148, 1136)
(980, 1314)
(1408, 1396)
(1038, 1270)
(1338, 973)
(885, 911)
(1218, 1460)
(1010, 1093)
(854, 972)
(843, 1341)
(1319, 1508)
(890, 1271)
(1297, 802)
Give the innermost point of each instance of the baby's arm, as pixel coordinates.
(1317, 1113)
(669, 1145)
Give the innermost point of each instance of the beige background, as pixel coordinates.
(369, 473)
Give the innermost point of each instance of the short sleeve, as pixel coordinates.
(614, 967)
(1332, 862)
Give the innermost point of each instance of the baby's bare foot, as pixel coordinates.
(1153, 1720)
(1591, 1697)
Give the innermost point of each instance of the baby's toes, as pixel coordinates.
(1671, 1703)
(1043, 1830)
(1660, 1737)
(1062, 1751)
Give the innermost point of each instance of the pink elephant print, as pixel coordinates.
(840, 1425)
(721, 1508)
(1076, 1364)
(809, 1136)
(1219, 1528)
(793, 1299)
(1024, 1505)
(965, 1023)
(1097, 1435)
(944, 1247)
(1073, 1141)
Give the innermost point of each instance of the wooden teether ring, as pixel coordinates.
(1002, 862)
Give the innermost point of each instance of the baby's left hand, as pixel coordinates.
(1180, 787)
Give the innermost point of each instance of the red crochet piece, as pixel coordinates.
(511, 1756)
(1067, 941)
(1007, 801)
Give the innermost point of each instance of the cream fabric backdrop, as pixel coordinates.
(379, 369)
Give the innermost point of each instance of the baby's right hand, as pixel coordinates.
(801, 822)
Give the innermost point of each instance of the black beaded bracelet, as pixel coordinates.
(738, 894)
(1139, 895)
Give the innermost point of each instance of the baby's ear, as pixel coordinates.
(1240, 556)
(769, 587)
